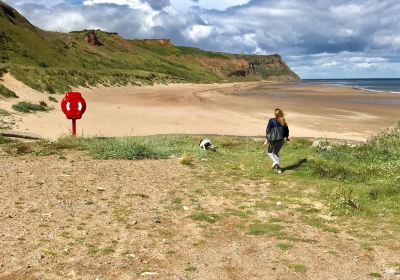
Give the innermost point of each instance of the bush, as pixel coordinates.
(5, 92)
(28, 107)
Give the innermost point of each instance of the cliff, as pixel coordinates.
(54, 62)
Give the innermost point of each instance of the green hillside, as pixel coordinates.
(53, 62)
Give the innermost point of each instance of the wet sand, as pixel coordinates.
(231, 109)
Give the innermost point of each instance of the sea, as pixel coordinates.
(375, 85)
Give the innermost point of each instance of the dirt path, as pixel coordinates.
(72, 217)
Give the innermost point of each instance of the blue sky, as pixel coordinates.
(318, 39)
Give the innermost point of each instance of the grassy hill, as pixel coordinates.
(53, 61)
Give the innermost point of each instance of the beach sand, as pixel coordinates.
(315, 111)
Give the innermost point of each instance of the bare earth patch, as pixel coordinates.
(72, 217)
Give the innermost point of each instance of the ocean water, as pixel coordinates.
(376, 85)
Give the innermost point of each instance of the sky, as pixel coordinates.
(318, 39)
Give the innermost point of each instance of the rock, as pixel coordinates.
(148, 273)
(391, 271)
(279, 203)
(185, 207)
(91, 38)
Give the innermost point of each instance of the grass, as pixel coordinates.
(5, 92)
(187, 160)
(365, 190)
(4, 113)
(52, 99)
(28, 107)
(4, 140)
(375, 275)
(270, 229)
(297, 267)
(284, 246)
(205, 217)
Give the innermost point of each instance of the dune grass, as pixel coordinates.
(28, 107)
(4, 113)
(5, 92)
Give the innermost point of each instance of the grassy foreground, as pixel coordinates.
(353, 181)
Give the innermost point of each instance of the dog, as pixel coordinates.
(206, 144)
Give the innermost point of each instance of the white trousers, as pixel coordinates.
(275, 159)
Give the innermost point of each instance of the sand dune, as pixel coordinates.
(231, 109)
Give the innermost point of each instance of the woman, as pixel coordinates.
(277, 130)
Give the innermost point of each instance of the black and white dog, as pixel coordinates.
(206, 144)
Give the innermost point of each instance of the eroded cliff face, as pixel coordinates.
(270, 67)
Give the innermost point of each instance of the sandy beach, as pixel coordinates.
(316, 111)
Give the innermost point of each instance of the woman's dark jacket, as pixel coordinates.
(275, 123)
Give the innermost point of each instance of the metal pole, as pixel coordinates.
(73, 127)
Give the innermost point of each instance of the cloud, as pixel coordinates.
(198, 32)
(314, 37)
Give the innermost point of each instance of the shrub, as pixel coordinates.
(28, 107)
(5, 92)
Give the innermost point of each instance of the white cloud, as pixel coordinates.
(198, 32)
(327, 37)
(184, 5)
(348, 10)
(134, 4)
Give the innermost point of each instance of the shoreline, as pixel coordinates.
(239, 109)
(331, 82)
